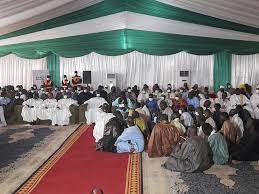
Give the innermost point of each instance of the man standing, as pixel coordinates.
(65, 83)
(191, 156)
(76, 80)
(48, 84)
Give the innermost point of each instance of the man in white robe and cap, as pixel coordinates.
(237, 121)
(224, 103)
(144, 94)
(62, 113)
(31, 108)
(93, 108)
(241, 99)
(221, 91)
(255, 102)
(103, 117)
(204, 100)
(48, 108)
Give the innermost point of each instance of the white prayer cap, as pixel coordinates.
(221, 87)
(201, 95)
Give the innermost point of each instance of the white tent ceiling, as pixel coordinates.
(17, 14)
(240, 11)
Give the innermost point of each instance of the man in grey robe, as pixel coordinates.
(192, 156)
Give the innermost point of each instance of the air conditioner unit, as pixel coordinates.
(184, 76)
(111, 79)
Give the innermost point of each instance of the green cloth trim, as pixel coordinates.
(53, 64)
(222, 69)
(147, 7)
(120, 42)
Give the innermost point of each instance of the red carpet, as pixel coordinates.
(76, 168)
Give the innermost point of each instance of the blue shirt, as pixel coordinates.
(185, 95)
(131, 136)
(4, 100)
(194, 101)
(152, 104)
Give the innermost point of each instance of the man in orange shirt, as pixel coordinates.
(48, 84)
(76, 80)
(65, 82)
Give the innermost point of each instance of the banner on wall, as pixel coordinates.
(39, 76)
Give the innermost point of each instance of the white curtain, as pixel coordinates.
(16, 71)
(245, 69)
(138, 68)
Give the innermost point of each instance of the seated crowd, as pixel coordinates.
(193, 127)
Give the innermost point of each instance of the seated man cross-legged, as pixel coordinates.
(131, 140)
(163, 137)
(191, 156)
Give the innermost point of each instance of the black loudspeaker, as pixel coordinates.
(87, 78)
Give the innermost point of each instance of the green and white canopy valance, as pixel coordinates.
(114, 27)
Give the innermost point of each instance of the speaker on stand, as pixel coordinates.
(87, 77)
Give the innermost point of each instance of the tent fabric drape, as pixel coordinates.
(245, 69)
(222, 69)
(247, 11)
(147, 7)
(119, 42)
(133, 21)
(53, 63)
(102, 24)
(107, 43)
(100, 9)
(159, 9)
(16, 15)
(138, 68)
(15, 70)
